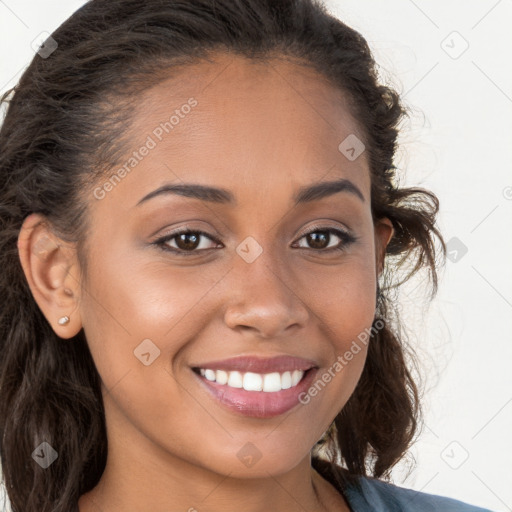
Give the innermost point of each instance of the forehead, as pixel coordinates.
(242, 124)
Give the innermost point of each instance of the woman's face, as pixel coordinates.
(255, 293)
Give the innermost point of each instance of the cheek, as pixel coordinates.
(343, 300)
(352, 312)
(344, 306)
(137, 320)
(129, 302)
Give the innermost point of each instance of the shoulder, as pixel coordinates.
(370, 494)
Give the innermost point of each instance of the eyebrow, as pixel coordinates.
(305, 194)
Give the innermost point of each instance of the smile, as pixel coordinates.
(267, 383)
(255, 386)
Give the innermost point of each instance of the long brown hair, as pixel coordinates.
(64, 126)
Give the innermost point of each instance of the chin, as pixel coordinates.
(257, 459)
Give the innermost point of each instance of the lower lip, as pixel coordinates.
(258, 404)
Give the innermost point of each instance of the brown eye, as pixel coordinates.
(187, 241)
(320, 240)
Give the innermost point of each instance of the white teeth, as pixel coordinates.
(296, 376)
(221, 376)
(253, 382)
(272, 382)
(286, 380)
(209, 374)
(235, 380)
(250, 381)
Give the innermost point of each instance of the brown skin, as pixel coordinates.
(261, 131)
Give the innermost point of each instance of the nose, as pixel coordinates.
(264, 301)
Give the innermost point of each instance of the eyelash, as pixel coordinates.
(347, 239)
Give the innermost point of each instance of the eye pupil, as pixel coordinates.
(318, 238)
(185, 237)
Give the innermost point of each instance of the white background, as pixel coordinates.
(458, 143)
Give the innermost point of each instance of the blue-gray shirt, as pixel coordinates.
(377, 496)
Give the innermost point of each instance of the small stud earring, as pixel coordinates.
(63, 320)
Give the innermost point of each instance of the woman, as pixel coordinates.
(200, 229)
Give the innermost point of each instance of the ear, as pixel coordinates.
(384, 232)
(52, 274)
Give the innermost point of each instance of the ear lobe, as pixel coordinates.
(384, 232)
(49, 267)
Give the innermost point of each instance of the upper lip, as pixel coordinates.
(258, 364)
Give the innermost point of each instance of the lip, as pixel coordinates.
(258, 364)
(258, 404)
